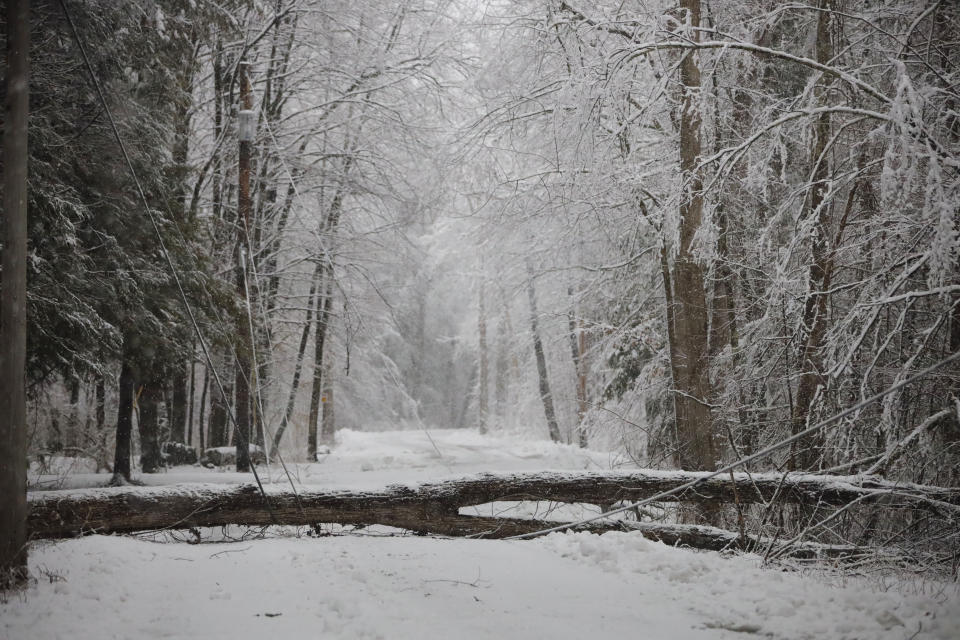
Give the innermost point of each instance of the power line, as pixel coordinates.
(760, 454)
(163, 249)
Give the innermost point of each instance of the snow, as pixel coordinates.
(368, 460)
(364, 584)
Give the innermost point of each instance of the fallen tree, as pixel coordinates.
(435, 508)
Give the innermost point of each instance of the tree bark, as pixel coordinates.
(328, 420)
(298, 367)
(434, 507)
(577, 349)
(101, 405)
(201, 430)
(319, 342)
(121, 456)
(178, 405)
(690, 349)
(192, 386)
(151, 394)
(506, 361)
(218, 435)
(545, 396)
(322, 313)
(484, 399)
(244, 371)
(13, 301)
(807, 452)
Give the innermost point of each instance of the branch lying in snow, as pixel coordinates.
(434, 508)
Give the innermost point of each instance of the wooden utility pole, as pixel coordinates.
(13, 302)
(245, 131)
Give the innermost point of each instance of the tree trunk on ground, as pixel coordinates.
(545, 395)
(690, 351)
(434, 508)
(150, 396)
(13, 301)
(121, 457)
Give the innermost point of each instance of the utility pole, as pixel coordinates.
(244, 370)
(13, 302)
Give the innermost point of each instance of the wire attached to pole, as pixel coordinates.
(163, 249)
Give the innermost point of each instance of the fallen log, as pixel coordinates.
(434, 508)
(745, 488)
(683, 535)
(146, 510)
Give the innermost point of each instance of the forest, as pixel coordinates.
(651, 244)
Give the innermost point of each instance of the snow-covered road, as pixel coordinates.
(365, 585)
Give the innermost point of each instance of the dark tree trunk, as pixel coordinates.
(807, 452)
(13, 300)
(484, 399)
(121, 458)
(689, 354)
(192, 385)
(319, 341)
(218, 434)
(101, 405)
(151, 394)
(328, 426)
(434, 508)
(242, 413)
(545, 396)
(245, 374)
(201, 430)
(72, 437)
(178, 405)
(298, 367)
(577, 350)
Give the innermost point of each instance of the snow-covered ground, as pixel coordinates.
(363, 460)
(367, 585)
